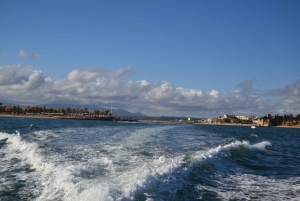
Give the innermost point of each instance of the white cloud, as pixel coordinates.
(161, 91)
(22, 53)
(290, 96)
(84, 75)
(214, 93)
(21, 79)
(142, 82)
(95, 86)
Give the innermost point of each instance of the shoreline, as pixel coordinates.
(28, 116)
(64, 117)
(50, 117)
(281, 126)
(213, 124)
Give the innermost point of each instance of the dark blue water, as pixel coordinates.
(51, 159)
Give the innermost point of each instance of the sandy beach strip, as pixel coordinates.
(295, 126)
(27, 116)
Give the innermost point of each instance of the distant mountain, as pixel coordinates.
(125, 113)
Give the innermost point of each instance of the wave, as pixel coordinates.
(197, 166)
(167, 175)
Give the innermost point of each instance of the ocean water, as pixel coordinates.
(52, 159)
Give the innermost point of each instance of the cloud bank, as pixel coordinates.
(24, 85)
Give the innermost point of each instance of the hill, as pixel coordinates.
(125, 113)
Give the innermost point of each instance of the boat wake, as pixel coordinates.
(127, 170)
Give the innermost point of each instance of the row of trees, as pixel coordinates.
(43, 110)
(85, 111)
(101, 113)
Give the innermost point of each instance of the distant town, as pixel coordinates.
(266, 120)
(84, 113)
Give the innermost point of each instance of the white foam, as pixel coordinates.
(44, 135)
(141, 173)
(57, 181)
(123, 172)
(248, 186)
(233, 145)
(57, 178)
(145, 176)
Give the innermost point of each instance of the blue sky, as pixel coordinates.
(199, 46)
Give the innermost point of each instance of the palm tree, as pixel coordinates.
(69, 110)
(96, 112)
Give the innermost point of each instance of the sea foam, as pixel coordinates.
(59, 179)
(56, 180)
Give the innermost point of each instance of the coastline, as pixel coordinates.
(51, 117)
(62, 117)
(296, 126)
(221, 124)
(28, 116)
(281, 126)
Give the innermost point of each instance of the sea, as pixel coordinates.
(59, 159)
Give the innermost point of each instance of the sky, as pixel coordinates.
(160, 58)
